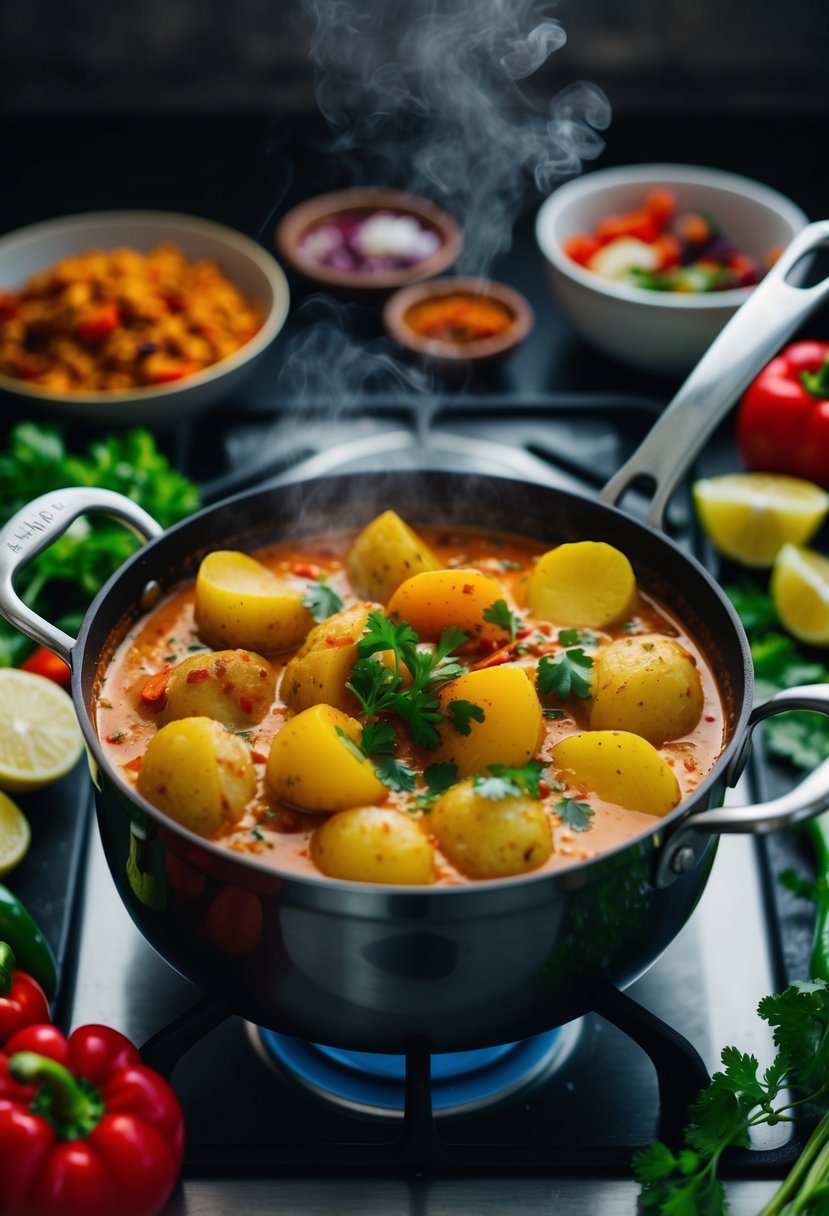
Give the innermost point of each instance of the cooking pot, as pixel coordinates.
(369, 967)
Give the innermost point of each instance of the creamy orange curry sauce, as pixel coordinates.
(635, 682)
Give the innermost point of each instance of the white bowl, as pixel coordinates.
(658, 331)
(246, 264)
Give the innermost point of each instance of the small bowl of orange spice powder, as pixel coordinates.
(460, 320)
(133, 317)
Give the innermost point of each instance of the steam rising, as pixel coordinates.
(424, 95)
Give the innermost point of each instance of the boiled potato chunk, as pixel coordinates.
(239, 602)
(236, 687)
(436, 599)
(318, 672)
(311, 766)
(621, 768)
(198, 773)
(648, 684)
(511, 728)
(589, 584)
(490, 838)
(384, 555)
(373, 844)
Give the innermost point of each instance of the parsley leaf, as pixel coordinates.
(395, 774)
(437, 778)
(378, 738)
(501, 614)
(564, 674)
(321, 600)
(575, 815)
(736, 1100)
(577, 637)
(460, 713)
(506, 782)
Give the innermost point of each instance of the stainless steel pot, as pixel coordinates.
(370, 967)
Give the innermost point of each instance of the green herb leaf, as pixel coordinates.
(577, 637)
(347, 742)
(461, 713)
(501, 614)
(564, 674)
(395, 774)
(378, 738)
(575, 815)
(440, 777)
(506, 782)
(321, 600)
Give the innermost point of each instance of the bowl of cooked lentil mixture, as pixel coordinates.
(126, 317)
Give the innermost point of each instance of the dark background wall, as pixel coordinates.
(189, 56)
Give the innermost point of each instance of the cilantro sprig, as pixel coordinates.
(385, 689)
(502, 781)
(564, 673)
(321, 600)
(501, 614)
(738, 1099)
(575, 815)
(463, 713)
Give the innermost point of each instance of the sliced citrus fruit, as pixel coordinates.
(800, 593)
(750, 516)
(40, 739)
(15, 834)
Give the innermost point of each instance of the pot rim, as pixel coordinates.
(577, 874)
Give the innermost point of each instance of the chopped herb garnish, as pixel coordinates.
(247, 735)
(575, 815)
(501, 614)
(346, 740)
(577, 637)
(381, 689)
(553, 714)
(461, 713)
(256, 834)
(506, 782)
(395, 774)
(168, 658)
(564, 674)
(321, 599)
(506, 563)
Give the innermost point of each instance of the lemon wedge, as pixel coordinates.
(15, 835)
(750, 516)
(40, 739)
(800, 593)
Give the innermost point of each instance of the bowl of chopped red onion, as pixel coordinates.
(368, 239)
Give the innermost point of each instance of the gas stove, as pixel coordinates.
(275, 1124)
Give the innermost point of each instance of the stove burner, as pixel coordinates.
(373, 1083)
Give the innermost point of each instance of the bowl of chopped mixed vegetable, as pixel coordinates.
(368, 240)
(133, 317)
(648, 262)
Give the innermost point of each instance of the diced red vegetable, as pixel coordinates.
(99, 323)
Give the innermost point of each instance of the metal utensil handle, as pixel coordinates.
(745, 344)
(809, 798)
(35, 528)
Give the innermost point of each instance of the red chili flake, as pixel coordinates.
(544, 789)
(467, 589)
(258, 758)
(220, 667)
(524, 633)
(117, 736)
(198, 676)
(263, 675)
(246, 705)
(331, 641)
(494, 660)
(710, 718)
(133, 765)
(244, 656)
(306, 570)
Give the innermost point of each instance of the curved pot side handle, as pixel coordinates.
(809, 798)
(35, 528)
(753, 335)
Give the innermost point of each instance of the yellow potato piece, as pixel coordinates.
(236, 687)
(198, 773)
(620, 767)
(490, 838)
(384, 555)
(588, 584)
(239, 602)
(648, 684)
(318, 672)
(311, 766)
(373, 844)
(510, 731)
(436, 599)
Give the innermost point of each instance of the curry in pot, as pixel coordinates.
(412, 707)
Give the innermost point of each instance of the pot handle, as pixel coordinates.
(34, 529)
(682, 849)
(752, 336)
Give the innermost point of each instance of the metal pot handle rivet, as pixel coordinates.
(35, 528)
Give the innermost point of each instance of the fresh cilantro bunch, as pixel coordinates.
(413, 698)
(801, 738)
(686, 1182)
(568, 672)
(60, 583)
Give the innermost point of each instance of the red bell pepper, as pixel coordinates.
(85, 1128)
(44, 662)
(22, 1000)
(783, 417)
